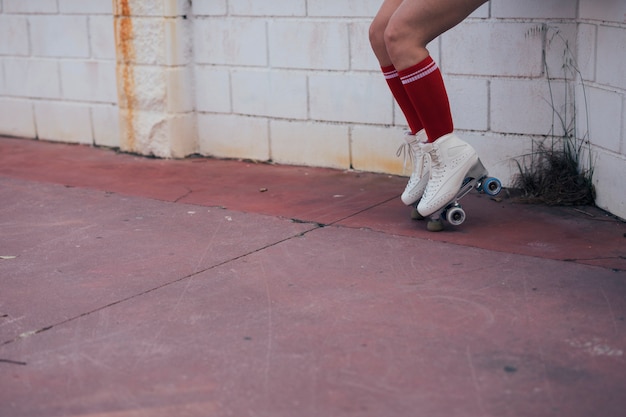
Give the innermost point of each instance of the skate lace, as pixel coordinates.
(406, 153)
(416, 157)
(432, 160)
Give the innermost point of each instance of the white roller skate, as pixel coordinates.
(419, 177)
(454, 170)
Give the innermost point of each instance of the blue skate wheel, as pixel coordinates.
(492, 186)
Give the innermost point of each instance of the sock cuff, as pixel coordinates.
(418, 71)
(389, 72)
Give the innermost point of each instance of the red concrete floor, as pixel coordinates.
(133, 286)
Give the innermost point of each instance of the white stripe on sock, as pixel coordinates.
(428, 69)
(391, 74)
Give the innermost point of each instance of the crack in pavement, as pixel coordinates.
(28, 334)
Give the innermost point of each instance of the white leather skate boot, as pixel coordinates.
(450, 161)
(419, 177)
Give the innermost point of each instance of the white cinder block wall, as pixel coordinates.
(295, 82)
(57, 71)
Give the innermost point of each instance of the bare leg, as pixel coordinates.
(377, 40)
(417, 182)
(409, 29)
(398, 35)
(415, 23)
(377, 30)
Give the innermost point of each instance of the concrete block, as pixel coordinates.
(583, 111)
(586, 51)
(267, 8)
(434, 49)
(178, 42)
(343, 8)
(13, 35)
(230, 41)
(361, 56)
(142, 132)
(21, 6)
(3, 90)
(102, 37)
(17, 118)
(37, 78)
(534, 9)
(309, 44)
(608, 178)
(63, 122)
(179, 90)
(151, 8)
(159, 89)
(611, 57)
(492, 49)
(157, 133)
(106, 125)
(560, 51)
(398, 117)
(148, 89)
(212, 90)
(183, 134)
(209, 8)
(350, 97)
(605, 110)
(482, 12)
(313, 144)
(499, 152)
(157, 41)
(90, 7)
(469, 102)
(270, 93)
(92, 81)
(606, 10)
(176, 8)
(59, 36)
(526, 107)
(374, 149)
(148, 41)
(232, 136)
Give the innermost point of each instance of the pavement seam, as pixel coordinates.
(334, 222)
(25, 335)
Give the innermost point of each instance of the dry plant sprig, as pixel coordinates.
(554, 174)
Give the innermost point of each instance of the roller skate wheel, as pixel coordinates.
(434, 225)
(415, 215)
(455, 216)
(492, 186)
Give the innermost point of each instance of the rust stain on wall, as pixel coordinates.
(125, 49)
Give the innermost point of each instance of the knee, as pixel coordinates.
(377, 36)
(392, 38)
(402, 39)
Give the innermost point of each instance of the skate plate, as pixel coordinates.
(477, 178)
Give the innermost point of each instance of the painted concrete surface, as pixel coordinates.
(142, 287)
(352, 199)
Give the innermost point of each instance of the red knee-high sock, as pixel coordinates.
(424, 86)
(399, 93)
